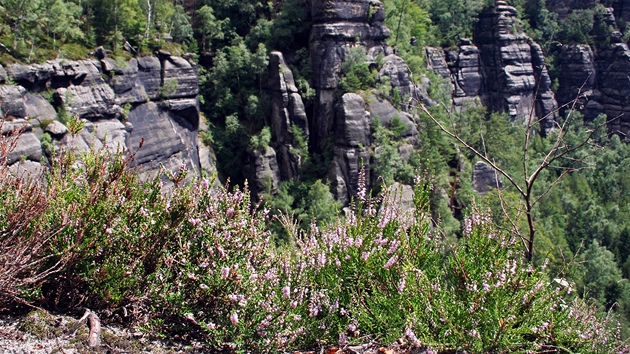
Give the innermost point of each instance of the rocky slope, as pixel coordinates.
(153, 100)
(598, 75)
(501, 68)
(150, 102)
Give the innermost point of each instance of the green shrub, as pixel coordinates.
(260, 141)
(204, 258)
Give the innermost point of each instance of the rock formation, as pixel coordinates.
(148, 101)
(485, 178)
(287, 109)
(597, 77)
(345, 119)
(502, 68)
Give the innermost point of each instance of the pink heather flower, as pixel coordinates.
(391, 262)
(352, 327)
(358, 242)
(211, 326)
(221, 251)
(412, 337)
(233, 297)
(393, 247)
(234, 318)
(270, 275)
(230, 211)
(204, 265)
(545, 264)
(313, 309)
(343, 339)
(191, 276)
(225, 272)
(381, 241)
(365, 255)
(321, 259)
(189, 317)
(205, 183)
(402, 284)
(486, 287)
(194, 221)
(286, 292)
(203, 286)
(293, 304)
(109, 230)
(297, 318)
(254, 276)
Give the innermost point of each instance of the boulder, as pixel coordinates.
(353, 127)
(28, 147)
(384, 111)
(263, 171)
(180, 78)
(56, 129)
(38, 108)
(103, 134)
(12, 101)
(159, 134)
(150, 76)
(89, 102)
(485, 178)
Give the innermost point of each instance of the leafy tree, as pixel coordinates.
(182, 30)
(454, 19)
(207, 26)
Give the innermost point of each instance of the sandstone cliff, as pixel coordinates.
(148, 100)
(501, 68)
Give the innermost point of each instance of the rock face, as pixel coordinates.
(514, 64)
(263, 167)
(597, 77)
(485, 178)
(352, 137)
(502, 69)
(340, 26)
(148, 101)
(287, 110)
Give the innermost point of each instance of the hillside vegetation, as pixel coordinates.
(283, 268)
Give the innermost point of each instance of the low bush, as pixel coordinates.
(200, 262)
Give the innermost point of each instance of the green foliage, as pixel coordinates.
(407, 19)
(169, 88)
(543, 23)
(355, 70)
(261, 140)
(291, 26)
(576, 27)
(182, 30)
(300, 145)
(203, 257)
(453, 19)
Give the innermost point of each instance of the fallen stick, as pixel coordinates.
(94, 324)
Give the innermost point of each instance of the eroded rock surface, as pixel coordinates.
(148, 101)
(502, 69)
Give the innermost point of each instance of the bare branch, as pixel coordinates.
(469, 147)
